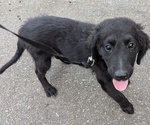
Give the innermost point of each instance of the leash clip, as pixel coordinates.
(91, 61)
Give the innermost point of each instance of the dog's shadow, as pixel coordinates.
(58, 72)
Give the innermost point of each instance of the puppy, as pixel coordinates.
(110, 49)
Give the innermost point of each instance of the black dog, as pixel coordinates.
(111, 46)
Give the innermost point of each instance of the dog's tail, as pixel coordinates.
(14, 59)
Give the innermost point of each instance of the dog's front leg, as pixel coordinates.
(108, 87)
(125, 105)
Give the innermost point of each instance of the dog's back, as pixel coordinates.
(58, 33)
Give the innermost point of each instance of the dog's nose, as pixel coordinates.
(121, 75)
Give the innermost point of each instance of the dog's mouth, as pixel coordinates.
(120, 85)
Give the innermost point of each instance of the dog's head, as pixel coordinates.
(119, 41)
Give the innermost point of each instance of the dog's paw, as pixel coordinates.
(128, 109)
(51, 91)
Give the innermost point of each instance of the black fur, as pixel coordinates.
(114, 45)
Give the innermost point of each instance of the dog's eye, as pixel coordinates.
(108, 47)
(131, 45)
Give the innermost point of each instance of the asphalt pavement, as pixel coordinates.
(80, 99)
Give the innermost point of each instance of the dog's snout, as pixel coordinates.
(121, 75)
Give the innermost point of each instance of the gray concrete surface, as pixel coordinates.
(80, 100)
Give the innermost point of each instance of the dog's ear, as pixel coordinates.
(94, 52)
(92, 42)
(144, 43)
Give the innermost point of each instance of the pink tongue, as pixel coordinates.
(120, 85)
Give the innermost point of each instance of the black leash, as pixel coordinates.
(90, 62)
(36, 44)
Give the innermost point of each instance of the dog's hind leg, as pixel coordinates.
(14, 59)
(43, 64)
